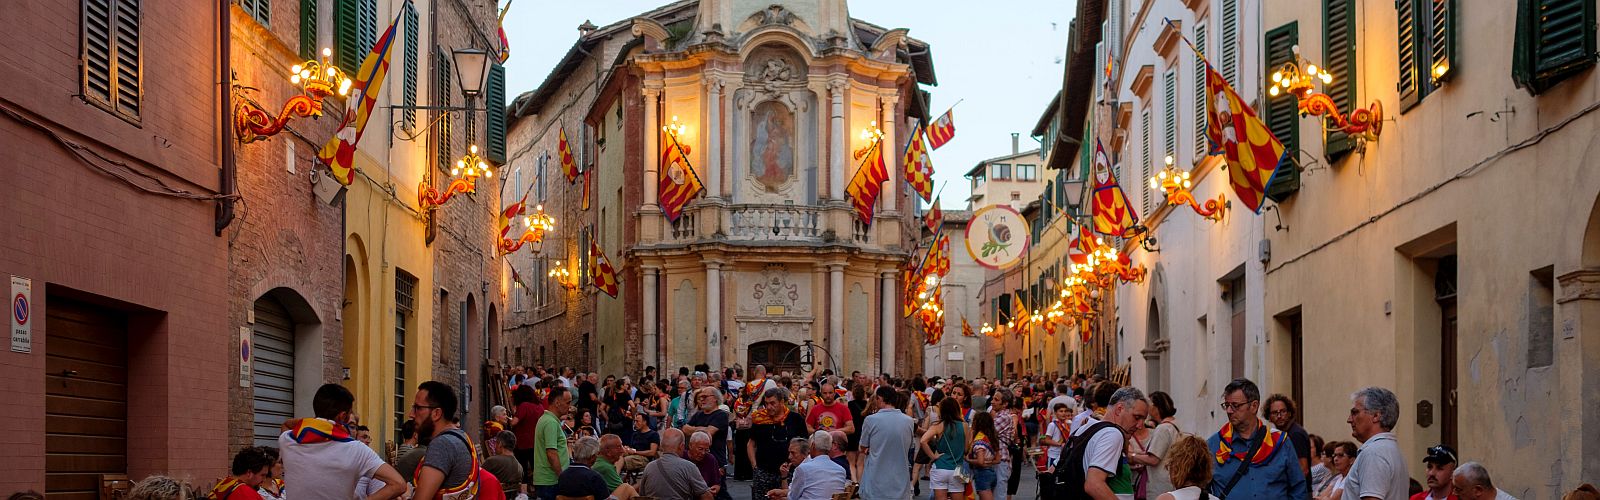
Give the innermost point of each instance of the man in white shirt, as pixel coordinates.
(323, 461)
(1127, 409)
(1063, 397)
(1471, 482)
(1380, 470)
(819, 477)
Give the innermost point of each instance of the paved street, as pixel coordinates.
(1027, 491)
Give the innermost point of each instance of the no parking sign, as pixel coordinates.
(21, 314)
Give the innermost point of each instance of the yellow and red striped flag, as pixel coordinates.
(676, 182)
(569, 165)
(919, 167)
(1252, 152)
(868, 182)
(588, 181)
(339, 153)
(605, 276)
(909, 291)
(966, 328)
(505, 44)
(934, 217)
(942, 129)
(509, 215)
(1113, 214)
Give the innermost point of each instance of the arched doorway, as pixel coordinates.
(286, 362)
(776, 355)
(1155, 350)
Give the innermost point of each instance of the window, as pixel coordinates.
(1426, 46)
(1026, 172)
(1339, 59)
(308, 29)
(1016, 196)
(261, 10)
(1144, 163)
(1201, 145)
(408, 90)
(405, 292)
(1000, 171)
(1281, 114)
(356, 24)
(495, 99)
(1555, 39)
(1230, 40)
(111, 58)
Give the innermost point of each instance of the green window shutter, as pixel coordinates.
(1406, 10)
(261, 10)
(1555, 39)
(1230, 41)
(1442, 41)
(1282, 114)
(1201, 145)
(1339, 48)
(308, 29)
(356, 27)
(1144, 164)
(408, 87)
(442, 90)
(495, 100)
(1169, 112)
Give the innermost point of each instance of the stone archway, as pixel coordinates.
(1578, 313)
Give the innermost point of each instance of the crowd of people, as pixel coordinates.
(821, 435)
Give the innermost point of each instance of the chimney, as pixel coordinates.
(586, 28)
(1014, 149)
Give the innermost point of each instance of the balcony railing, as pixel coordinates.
(775, 222)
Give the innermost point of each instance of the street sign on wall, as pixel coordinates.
(21, 314)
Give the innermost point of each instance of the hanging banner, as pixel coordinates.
(21, 314)
(997, 237)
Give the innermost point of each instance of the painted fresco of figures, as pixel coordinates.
(772, 145)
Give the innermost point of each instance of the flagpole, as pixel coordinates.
(685, 156)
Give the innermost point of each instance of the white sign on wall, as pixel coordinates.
(954, 356)
(21, 314)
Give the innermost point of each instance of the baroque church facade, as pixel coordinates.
(770, 101)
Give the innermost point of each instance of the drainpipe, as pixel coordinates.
(224, 215)
(461, 351)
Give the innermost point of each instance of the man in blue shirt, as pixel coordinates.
(1252, 461)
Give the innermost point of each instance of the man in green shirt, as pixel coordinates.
(606, 462)
(551, 444)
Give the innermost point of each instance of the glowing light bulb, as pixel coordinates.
(472, 149)
(1311, 68)
(326, 52)
(1273, 91)
(1277, 76)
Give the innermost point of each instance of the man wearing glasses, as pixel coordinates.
(449, 469)
(1380, 469)
(1252, 461)
(710, 418)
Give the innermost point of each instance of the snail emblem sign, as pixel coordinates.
(997, 237)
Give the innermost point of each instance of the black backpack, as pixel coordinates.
(1069, 468)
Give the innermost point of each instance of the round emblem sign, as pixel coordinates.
(19, 308)
(997, 237)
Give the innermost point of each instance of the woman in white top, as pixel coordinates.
(1188, 464)
(1156, 447)
(1344, 455)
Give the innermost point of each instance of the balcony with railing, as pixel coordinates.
(766, 223)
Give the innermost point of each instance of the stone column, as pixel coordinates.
(712, 168)
(836, 312)
(836, 139)
(891, 154)
(714, 314)
(652, 133)
(652, 352)
(886, 330)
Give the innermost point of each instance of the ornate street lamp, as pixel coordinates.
(1299, 78)
(1177, 187)
(465, 175)
(563, 277)
(537, 224)
(317, 80)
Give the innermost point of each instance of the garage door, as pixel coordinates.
(86, 398)
(272, 378)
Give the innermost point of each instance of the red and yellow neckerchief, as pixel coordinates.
(763, 416)
(224, 489)
(469, 487)
(922, 398)
(1263, 452)
(319, 430)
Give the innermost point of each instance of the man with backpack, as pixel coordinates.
(1253, 461)
(1093, 457)
(450, 470)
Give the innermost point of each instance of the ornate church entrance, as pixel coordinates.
(778, 356)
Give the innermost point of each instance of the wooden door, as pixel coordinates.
(86, 398)
(1447, 365)
(778, 356)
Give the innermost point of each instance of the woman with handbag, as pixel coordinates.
(984, 456)
(944, 442)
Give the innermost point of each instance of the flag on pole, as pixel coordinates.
(942, 129)
(569, 164)
(935, 217)
(1049, 326)
(1252, 162)
(505, 45)
(868, 181)
(919, 168)
(605, 276)
(1019, 312)
(588, 182)
(909, 291)
(1113, 214)
(676, 182)
(509, 215)
(517, 278)
(339, 153)
(937, 260)
(966, 328)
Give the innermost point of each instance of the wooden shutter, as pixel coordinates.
(1230, 41)
(1406, 11)
(408, 86)
(308, 29)
(443, 138)
(1555, 39)
(1144, 163)
(1170, 112)
(346, 27)
(1201, 147)
(495, 101)
(1339, 59)
(111, 59)
(1442, 41)
(261, 10)
(1282, 114)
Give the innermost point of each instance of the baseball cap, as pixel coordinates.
(1440, 454)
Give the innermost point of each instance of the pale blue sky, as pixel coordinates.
(1001, 58)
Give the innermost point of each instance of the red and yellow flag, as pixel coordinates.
(1019, 312)
(676, 182)
(909, 291)
(1113, 214)
(605, 276)
(937, 260)
(517, 278)
(339, 153)
(588, 181)
(942, 129)
(505, 45)
(1252, 152)
(919, 167)
(966, 328)
(868, 182)
(934, 218)
(569, 164)
(509, 215)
